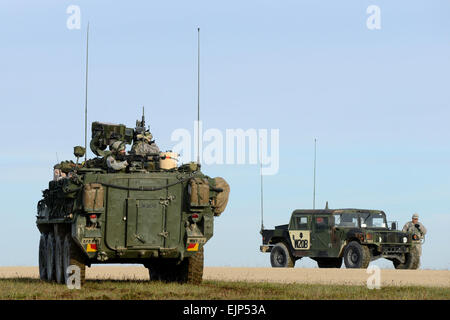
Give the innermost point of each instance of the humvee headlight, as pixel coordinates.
(405, 239)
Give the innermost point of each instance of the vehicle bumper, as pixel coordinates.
(265, 248)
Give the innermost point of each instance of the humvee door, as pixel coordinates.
(321, 239)
(300, 232)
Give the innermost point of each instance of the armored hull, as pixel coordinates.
(160, 218)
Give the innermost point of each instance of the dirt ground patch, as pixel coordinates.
(389, 277)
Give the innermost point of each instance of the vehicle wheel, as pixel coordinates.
(356, 255)
(190, 269)
(72, 257)
(59, 268)
(280, 257)
(329, 262)
(43, 257)
(412, 260)
(50, 257)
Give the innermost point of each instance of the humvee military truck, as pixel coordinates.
(330, 236)
(144, 214)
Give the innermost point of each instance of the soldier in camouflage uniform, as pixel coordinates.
(417, 228)
(118, 149)
(143, 145)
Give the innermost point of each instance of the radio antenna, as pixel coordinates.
(198, 95)
(86, 94)
(314, 188)
(262, 191)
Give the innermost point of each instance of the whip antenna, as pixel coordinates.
(198, 95)
(262, 193)
(314, 188)
(86, 94)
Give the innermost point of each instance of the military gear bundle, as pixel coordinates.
(220, 201)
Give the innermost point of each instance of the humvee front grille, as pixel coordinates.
(393, 250)
(391, 237)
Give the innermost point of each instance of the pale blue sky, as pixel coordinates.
(377, 100)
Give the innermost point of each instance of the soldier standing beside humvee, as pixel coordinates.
(416, 227)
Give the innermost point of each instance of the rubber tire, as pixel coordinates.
(43, 257)
(73, 256)
(50, 250)
(412, 260)
(356, 256)
(329, 262)
(280, 257)
(59, 268)
(190, 270)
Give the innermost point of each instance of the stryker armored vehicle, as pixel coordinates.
(154, 212)
(329, 236)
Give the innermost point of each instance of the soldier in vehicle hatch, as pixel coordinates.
(144, 145)
(416, 227)
(113, 160)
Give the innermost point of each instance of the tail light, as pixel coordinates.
(195, 217)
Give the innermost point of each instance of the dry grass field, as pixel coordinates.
(113, 282)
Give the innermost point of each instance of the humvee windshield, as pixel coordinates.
(373, 220)
(346, 220)
(363, 219)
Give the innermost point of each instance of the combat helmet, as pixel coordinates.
(117, 146)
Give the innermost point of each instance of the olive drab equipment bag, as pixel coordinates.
(93, 197)
(199, 192)
(220, 201)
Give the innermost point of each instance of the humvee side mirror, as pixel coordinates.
(394, 226)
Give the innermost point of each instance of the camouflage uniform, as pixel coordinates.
(144, 145)
(111, 161)
(420, 231)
